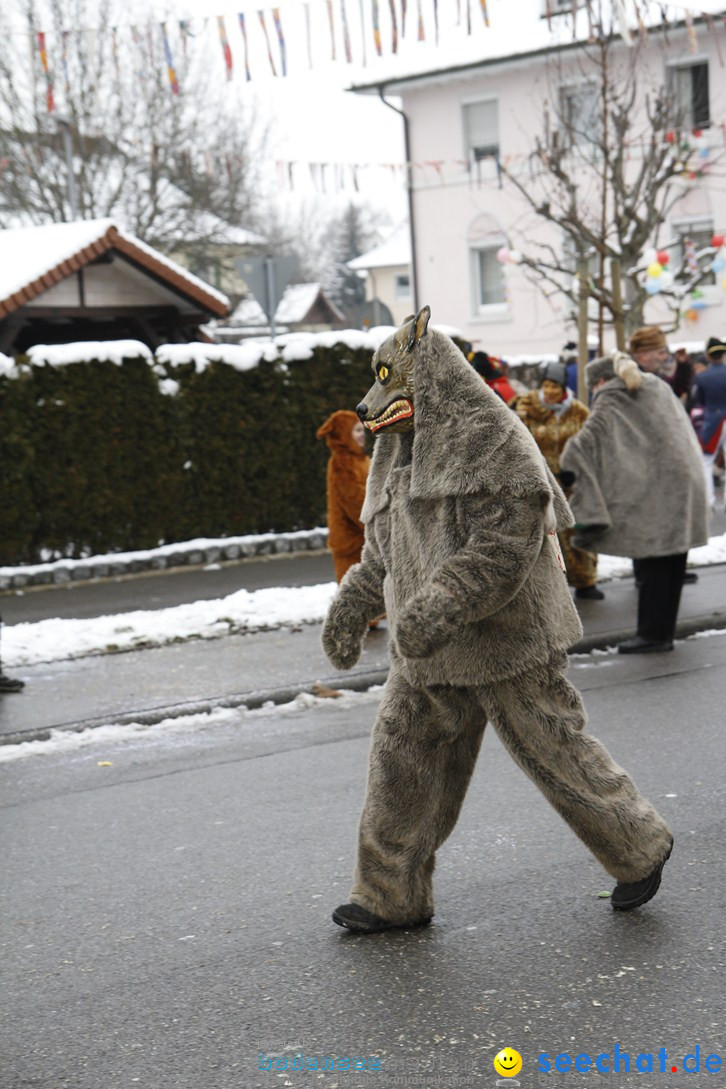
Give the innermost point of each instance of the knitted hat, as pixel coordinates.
(597, 369)
(715, 348)
(649, 338)
(555, 372)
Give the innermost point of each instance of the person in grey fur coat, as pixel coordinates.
(638, 489)
(461, 518)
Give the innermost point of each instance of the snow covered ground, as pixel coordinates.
(244, 611)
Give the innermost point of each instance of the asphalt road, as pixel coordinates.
(166, 917)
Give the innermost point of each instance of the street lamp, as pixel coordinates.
(64, 125)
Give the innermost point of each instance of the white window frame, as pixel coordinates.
(487, 164)
(556, 7)
(712, 293)
(567, 89)
(492, 310)
(680, 64)
(400, 291)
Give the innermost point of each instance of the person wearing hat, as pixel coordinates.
(638, 489)
(709, 393)
(649, 349)
(552, 415)
(493, 374)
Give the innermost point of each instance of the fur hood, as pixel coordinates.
(466, 441)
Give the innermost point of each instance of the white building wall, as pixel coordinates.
(455, 209)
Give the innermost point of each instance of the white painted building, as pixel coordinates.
(464, 121)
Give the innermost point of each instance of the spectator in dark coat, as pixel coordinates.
(709, 392)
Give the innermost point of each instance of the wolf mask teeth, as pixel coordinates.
(389, 403)
(399, 410)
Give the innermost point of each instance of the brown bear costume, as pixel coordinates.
(346, 477)
(461, 518)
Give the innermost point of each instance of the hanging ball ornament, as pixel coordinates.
(717, 241)
(503, 255)
(655, 269)
(663, 257)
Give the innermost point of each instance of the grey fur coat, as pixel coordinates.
(461, 519)
(638, 473)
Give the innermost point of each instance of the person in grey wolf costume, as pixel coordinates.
(461, 517)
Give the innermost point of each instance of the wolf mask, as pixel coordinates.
(389, 402)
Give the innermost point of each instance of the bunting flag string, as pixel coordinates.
(270, 57)
(394, 26)
(331, 20)
(376, 20)
(226, 51)
(280, 40)
(363, 33)
(346, 33)
(308, 35)
(173, 81)
(245, 48)
(64, 62)
(57, 48)
(50, 101)
(114, 51)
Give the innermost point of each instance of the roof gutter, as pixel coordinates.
(409, 191)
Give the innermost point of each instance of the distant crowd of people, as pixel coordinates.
(636, 464)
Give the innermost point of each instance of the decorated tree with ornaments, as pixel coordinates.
(614, 164)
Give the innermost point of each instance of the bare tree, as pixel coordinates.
(617, 150)
(171, 166)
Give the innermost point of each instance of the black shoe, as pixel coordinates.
(589, 593)
(690, 576)
(10, 684)
(638, 645)
(633, 894)
(355, 917)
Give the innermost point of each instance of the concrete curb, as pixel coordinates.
(354, 682)
(193, 554)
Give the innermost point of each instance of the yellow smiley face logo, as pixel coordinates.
(508, 1062)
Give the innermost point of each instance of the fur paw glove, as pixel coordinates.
(422, 628)
(343, 633)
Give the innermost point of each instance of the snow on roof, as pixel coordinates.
(396, 250)
(296, 302)
(29, 253)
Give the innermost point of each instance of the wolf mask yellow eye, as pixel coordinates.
(382, 373)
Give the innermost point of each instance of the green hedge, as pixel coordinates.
(95, 458)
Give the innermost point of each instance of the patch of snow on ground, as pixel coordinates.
(244, 611)
(115, 734)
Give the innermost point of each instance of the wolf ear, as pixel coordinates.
(419, 325)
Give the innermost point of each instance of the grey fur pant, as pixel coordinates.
(423, 750)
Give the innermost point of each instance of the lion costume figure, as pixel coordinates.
(461, 515)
